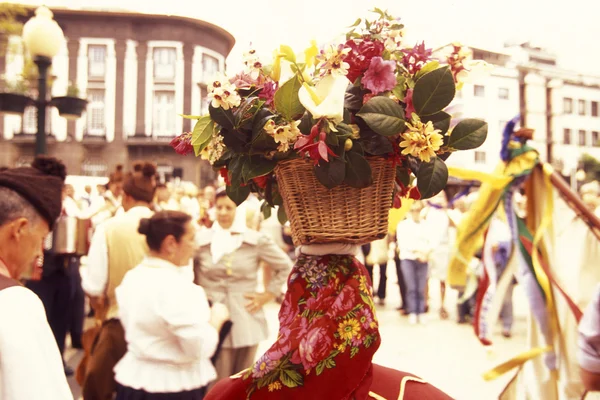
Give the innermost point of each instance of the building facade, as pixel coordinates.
(138, 73)
(561, 105)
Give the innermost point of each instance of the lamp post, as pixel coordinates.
(43, 38)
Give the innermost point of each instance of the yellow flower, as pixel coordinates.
(349, 329)
(362, 286)
(274, 386)
(421, 140)
(341, 347)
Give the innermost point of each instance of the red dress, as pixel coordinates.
(327, 337)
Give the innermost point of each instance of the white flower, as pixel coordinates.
(327, 98)
(225, 97)
(284, 135)
(332, 60)
(213, 152)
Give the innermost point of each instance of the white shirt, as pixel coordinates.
(30, 364)
(413, 238)
(166, 322)
(94, 277)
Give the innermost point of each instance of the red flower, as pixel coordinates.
(316, 150)
(380, 77)
(225, 175)
(414, 193)
(408, 100)
(416, 57)
(360, 56)
(182, 144)
(261, 181)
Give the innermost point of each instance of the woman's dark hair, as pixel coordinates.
(161, 225)
(221, 192)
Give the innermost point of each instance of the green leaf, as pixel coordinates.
(202, 133)
(332, 173)
(320, 367)
(378, 11)
(353, 351)
(331, 139)
(257, 166)
(288, 52)
(356, 23)
(282, 215)
(468, 134)
(286, 99)
(266, 209)
(190, 116)
(434, 91)
(241, 113)
(403, 175)
(344, 130)
(358, 171)
(430, 66)
(290, 378)
(383, 115)
(440, 120)
(238, 194)
(235, 167)
(222, 117)
(399, 89)
(432, 178)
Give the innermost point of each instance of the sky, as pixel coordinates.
(567, 28)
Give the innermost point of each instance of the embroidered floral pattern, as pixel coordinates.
(328, 312)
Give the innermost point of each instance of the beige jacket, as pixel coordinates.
(237, 274)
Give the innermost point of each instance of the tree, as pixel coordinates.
(11, 23)
(591, 166)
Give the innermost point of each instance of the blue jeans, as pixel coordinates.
(415, 276)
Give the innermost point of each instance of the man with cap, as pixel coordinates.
(116, 248)
(30, 362)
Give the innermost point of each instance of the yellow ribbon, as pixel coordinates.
(515, 362)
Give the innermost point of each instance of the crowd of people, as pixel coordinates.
(178, 278)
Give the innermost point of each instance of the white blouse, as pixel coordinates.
(30, 363)
(166, 321)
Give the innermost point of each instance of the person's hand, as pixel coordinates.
(257, 300)
(219, 313)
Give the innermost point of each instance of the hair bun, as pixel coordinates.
(138, 166)
(119, 167)
(148, 170)
(50, 166)
(144, 227)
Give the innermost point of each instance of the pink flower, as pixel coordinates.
(365, 317)
(360, 56)
(323, 301)
(315, 346)
(182, 144)
(380, 76)
(268, 92)
(410, 109)
(344, 302)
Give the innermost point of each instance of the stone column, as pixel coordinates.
(73, 48)
(188, 58)
(140, 115)
(120, 49)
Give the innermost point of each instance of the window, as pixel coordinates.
(96, 61)
(595, 138)
(594, 108)
(204, 101)
(503, 93)
(164, 63)
(567, 105)
(480, 157)
(210, 66)
(581, 107)
(479, 91)
(163, 122)
(567, 136)
(29, 120)
(581, 137)
(95, 112)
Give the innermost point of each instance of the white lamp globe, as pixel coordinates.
(42, 35)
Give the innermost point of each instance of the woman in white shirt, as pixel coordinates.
(170, 330)
(415, 249)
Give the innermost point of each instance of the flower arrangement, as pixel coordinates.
(369, 96)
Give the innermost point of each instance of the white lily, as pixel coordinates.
(326, 99)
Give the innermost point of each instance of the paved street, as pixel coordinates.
(444, 353)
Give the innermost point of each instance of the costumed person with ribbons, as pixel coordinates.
(30, 362)
(334, 153)
(549, 369)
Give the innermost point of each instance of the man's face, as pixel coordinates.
(28, 237)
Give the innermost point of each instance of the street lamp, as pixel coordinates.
(43, 38)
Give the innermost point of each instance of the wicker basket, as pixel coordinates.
(342, 214)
